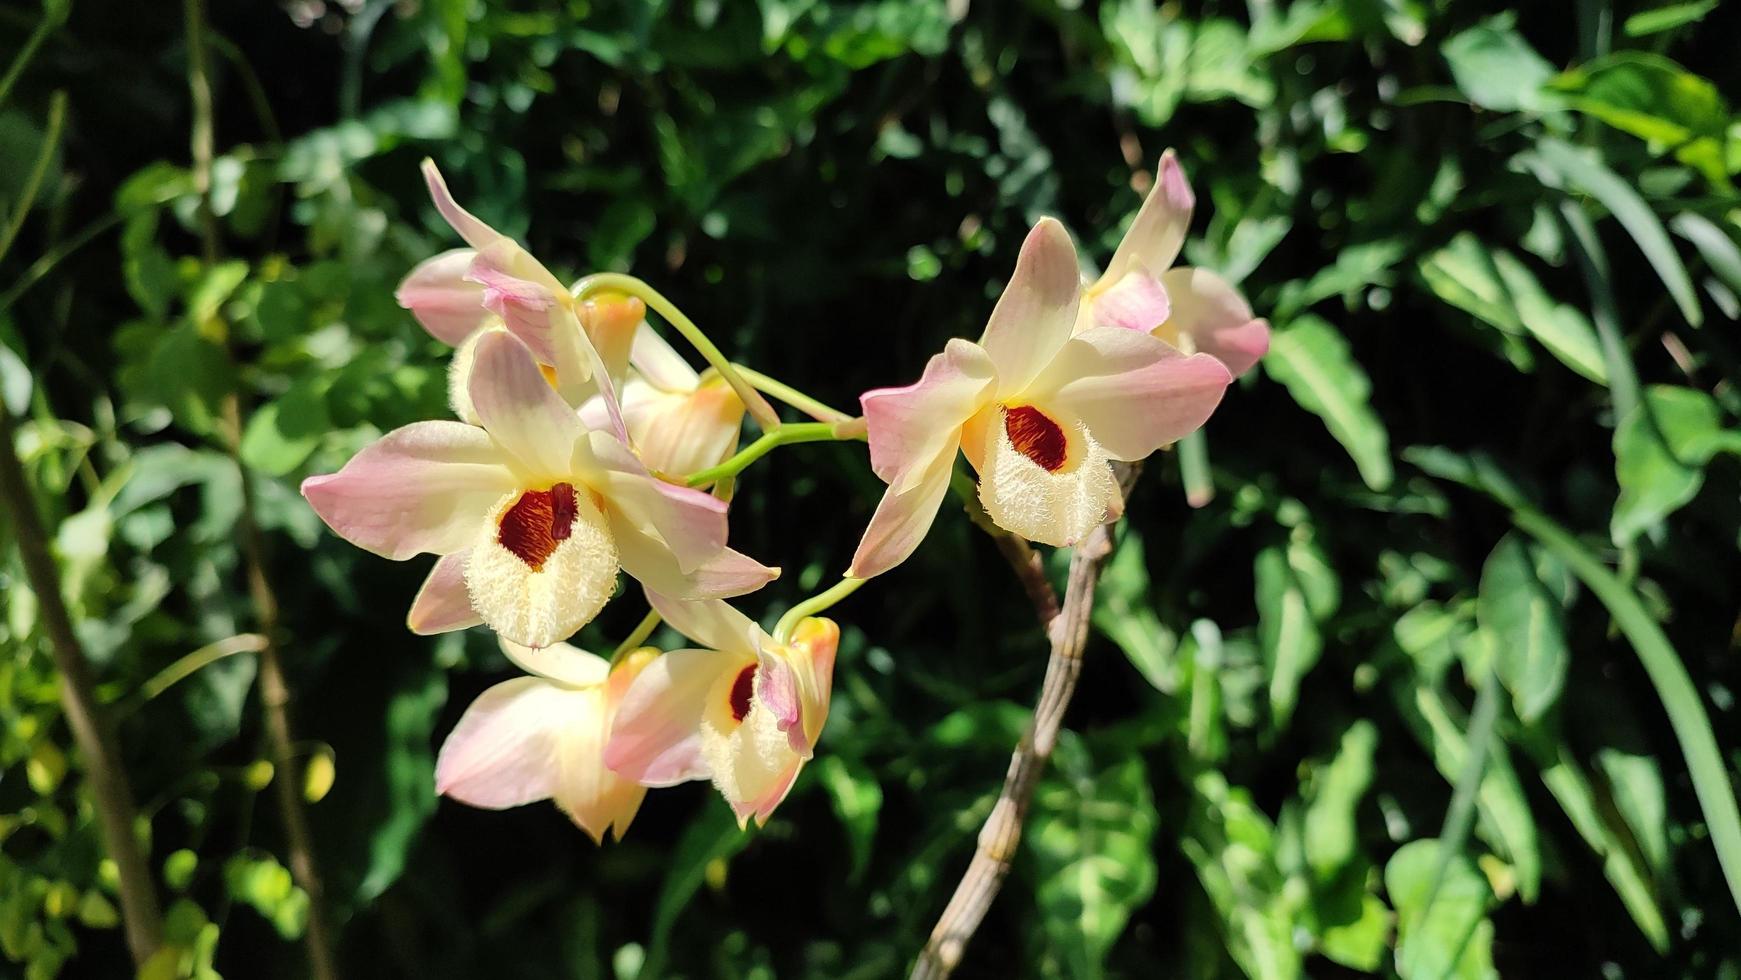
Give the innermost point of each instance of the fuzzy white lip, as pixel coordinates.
(1055, 507)
(538, 607)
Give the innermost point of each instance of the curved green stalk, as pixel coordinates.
(637, 636)
(191, 664)
(33, 183)
(1680, 699)
(809, 607)
(787, 434)
(792, 396)
(604, 282)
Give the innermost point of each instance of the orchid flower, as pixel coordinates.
(531, 513)
(745, 712)
(1038, 413)
(1191, 309)
(542, 737)
(679, 422)
(459, 294)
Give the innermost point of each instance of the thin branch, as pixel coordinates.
(117, 816)
(274, 690)
(1068, 631)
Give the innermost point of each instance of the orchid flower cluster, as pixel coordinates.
(582, 443)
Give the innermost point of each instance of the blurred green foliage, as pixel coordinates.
(1369, 711)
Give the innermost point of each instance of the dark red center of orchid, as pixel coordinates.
(741, 688)
(1036, 436)
(537, 521)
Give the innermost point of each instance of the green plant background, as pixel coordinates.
(1409, 697)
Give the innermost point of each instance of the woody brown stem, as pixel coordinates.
(1067, 628)
(141, 917)
(274, 690)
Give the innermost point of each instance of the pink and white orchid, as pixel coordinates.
(1191, 309)
(1038, 410)
(542, 737)
(459, 294)
(679, 421)
(745, 712)
(531, 513)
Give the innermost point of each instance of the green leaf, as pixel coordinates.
(1656, 100)
(1660, 451)
(1582, 171)
(1452, 937)
(1680, 699)
(853, 790)
(16, 382)
(1667, 18)
(1232, 846)
(1635, 781)
(1498, 288)
(282, 433)
(1523, 619)
(190, 374)
(1714, 244)
(712, 836)
(1331, 833)
(1495, 67)
(1360, 944)
(1570, 786)
(1313, 361)
(1503, 814)
(1092, 839)
(1123, 612)
(1286, 630)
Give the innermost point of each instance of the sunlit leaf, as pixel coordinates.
(1313, 361)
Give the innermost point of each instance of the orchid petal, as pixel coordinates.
(423, 488)
(659, 362)
(908, 428)
(656, 737)
(437, 292)
(442, 605)
(710, 622)
(902, 518)
(503, 753)
(526, 307)
(1137, 302)
(476, 234)
(560, 663)
(691, 523)
(1216, 318)
(813, 646)
(682, 432)
(1156, 234)
(1037, 310)
(1133, 392)
(648, 560)
(519, 408)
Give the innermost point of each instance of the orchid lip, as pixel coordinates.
(537, 523)
(1037, 436)
(742, 687)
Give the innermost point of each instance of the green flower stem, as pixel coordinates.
(603, 282)
(1662, 664)
(194, 662)
(1194, 469)
(813, 605)
(786, 434)
(792, 396)
(636, 637)
(33, 182)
